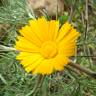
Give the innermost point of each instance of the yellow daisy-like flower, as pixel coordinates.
(45, 47)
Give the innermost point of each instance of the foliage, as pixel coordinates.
(13, 79)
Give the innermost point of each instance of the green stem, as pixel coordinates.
(3, 79)
(4, 48)
(37, 86)
(82, 69)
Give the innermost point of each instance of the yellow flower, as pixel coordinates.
(45, 47)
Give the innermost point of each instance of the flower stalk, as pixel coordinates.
(37, 86)
(82, 69)
(4, 48)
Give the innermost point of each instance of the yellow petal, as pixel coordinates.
(24, 55)
(30, 35)
(33, 65)
(24, 45)
(45, 67)
(28, 58)
(63, 31)
(71, 36)
(53, 29)
(67, 45)
(49, 65)
(40, 28)
(60, 61)
(68, 49)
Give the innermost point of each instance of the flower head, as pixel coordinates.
(45, 47)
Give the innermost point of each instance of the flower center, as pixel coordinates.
(49, 49)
